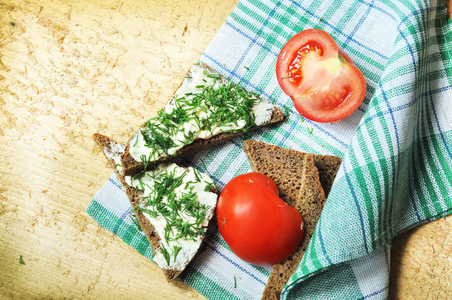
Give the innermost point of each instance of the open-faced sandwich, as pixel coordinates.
(206, 110)
(172, 204)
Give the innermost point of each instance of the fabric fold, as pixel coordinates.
(396, 172)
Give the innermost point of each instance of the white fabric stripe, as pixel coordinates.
(113, 198)
(371, 272)
(222, 266)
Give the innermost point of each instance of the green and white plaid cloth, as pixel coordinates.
(396, 148)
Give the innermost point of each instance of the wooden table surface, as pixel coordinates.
(72, 68)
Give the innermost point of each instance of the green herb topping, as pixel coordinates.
(171, 198)
(133, 217)
(210, 108)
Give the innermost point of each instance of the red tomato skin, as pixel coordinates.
(317, 106)
(257, 225)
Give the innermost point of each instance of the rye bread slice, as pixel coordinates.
(131, 166)
(327, 165)
(297, 178)
(110, 149)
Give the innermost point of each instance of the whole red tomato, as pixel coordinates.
(257, 225)
(323, 82)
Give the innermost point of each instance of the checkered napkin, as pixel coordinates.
(396, 148)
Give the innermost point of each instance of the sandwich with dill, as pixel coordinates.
(206, 110)
(173, 206)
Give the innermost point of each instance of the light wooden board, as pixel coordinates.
(72, 68)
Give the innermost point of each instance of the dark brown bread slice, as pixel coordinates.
(106, 144)
(286, 167)
(134, 195)
(310, 204)
(327, 165)
(131, 166)
(297, 178)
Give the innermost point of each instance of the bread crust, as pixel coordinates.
(327, 165)
(131, 166)
(134, 195)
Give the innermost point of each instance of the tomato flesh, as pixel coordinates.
(322, 81)
(257, 225)
(294, 73)
(330, 101)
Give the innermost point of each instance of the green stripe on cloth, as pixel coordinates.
(221, 242)
(341, 285)
(432, 203)
(205, 285)
(128, 233)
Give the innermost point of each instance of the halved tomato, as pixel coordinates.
(323, 82)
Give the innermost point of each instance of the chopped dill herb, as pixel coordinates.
(136, 142)
(172, 197)
(287, 110)
(133, 217)
(152, 213)
(210, 186)
(310, 130)
(224, 107)
(177, 249)
(145, 161)
(198, 179)
(205, 168)
(165, 255)
(21, 260)
(214, 76)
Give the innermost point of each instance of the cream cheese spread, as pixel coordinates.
(114, 153)
(179, 204)
(204, 105)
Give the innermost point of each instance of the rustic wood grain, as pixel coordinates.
(69, 69)
(421, 262)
